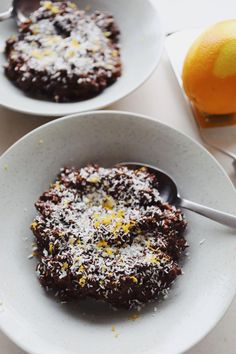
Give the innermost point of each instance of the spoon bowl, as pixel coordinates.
(169, 193)
(166, 186)
(21, 9)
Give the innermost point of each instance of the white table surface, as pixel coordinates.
(160, 97)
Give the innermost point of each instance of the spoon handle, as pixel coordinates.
(7, 14)
(218, 216)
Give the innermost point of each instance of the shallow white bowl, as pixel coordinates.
(141, 45)
(198, 299)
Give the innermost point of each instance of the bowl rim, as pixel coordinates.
(101, 113)
(121, 113)
(120, 96)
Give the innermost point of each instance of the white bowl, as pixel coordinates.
(141, 46)
(199, 298)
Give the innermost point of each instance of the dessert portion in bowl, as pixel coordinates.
(64, 54)
(105, 233)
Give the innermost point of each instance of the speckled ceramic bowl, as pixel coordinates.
(199, 298)
(141, 46)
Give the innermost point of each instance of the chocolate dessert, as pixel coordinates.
(105, 233)
(64, 54)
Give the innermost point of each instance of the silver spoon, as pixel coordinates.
(21, 9)
(169, 193)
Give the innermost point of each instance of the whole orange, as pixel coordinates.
(209, 71)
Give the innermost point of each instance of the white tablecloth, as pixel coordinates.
(160, 97)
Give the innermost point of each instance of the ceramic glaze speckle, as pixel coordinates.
(198, 299)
